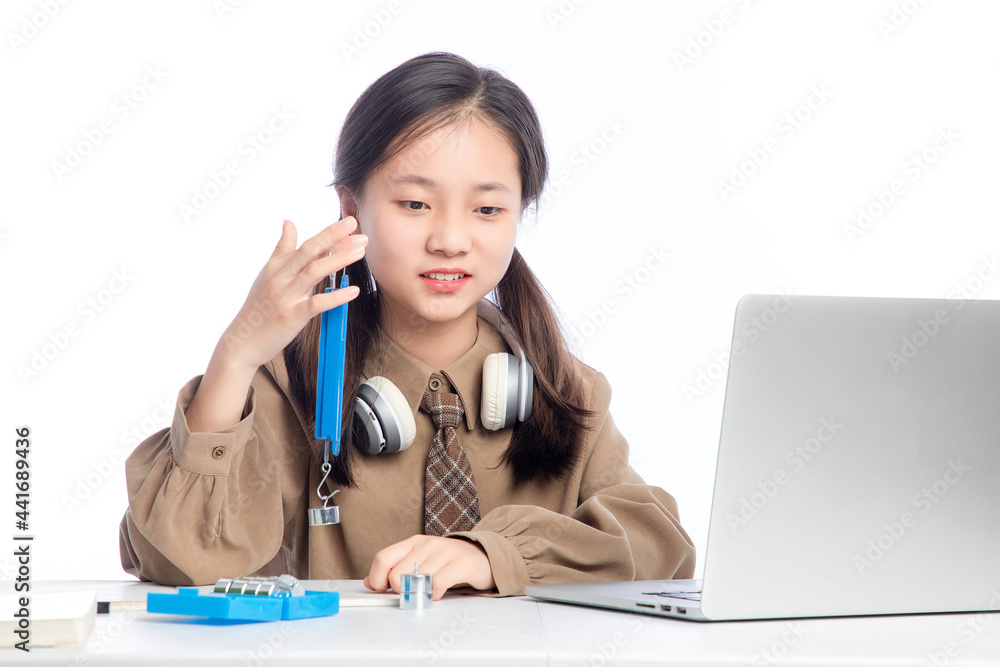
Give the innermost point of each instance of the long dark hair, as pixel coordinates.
(406, 104)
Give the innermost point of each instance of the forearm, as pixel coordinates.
(222, 394)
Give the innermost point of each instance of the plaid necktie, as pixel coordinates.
(450, 500)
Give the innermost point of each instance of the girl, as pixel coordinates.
(435, 164)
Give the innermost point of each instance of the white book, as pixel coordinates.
(55, 619)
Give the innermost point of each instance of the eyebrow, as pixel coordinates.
(413, 179)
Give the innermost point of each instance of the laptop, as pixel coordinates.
(858, 470)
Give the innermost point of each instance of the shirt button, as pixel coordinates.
(434, 384)
(218, 453)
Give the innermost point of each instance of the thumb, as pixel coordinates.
(286, 243)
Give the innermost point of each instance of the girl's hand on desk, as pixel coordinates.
(279, 305)
(452, 561)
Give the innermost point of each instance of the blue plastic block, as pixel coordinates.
(191, 602)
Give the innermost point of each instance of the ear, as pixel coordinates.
(348, 202)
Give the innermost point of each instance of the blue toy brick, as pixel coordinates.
(191, 602)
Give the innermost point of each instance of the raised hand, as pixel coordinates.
(278, 306)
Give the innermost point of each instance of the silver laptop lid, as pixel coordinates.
(859, 459)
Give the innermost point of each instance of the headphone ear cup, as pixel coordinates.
(500, 391)
(525, 391)
(383, 420)
(491, 412)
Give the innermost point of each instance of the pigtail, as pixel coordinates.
(548, 445)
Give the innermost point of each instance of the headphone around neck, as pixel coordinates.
(383, 420)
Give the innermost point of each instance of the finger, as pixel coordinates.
(327, 238)
(286, 243)
(426, 556)
(385, 560)
(316, 247)
(432, 556)
(448, 568)
(408, 566)
(446, 578)
(456, 563)
(346, 252)
(319, 303)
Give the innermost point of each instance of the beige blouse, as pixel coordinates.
(203, 506)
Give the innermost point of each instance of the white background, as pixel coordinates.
(892, 76)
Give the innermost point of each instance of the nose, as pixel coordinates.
(449, 234)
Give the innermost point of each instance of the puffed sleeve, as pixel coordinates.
(201, 505)
(621, 530)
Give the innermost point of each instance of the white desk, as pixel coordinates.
(464, 630)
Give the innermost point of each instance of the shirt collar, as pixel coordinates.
(412, 376)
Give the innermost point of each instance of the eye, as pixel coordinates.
(489, 211)
(413, 205)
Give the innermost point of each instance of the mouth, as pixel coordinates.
(446, 280)
(445, 277)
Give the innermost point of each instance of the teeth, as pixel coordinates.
(445, 276)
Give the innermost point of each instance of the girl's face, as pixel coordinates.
(441, 218)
